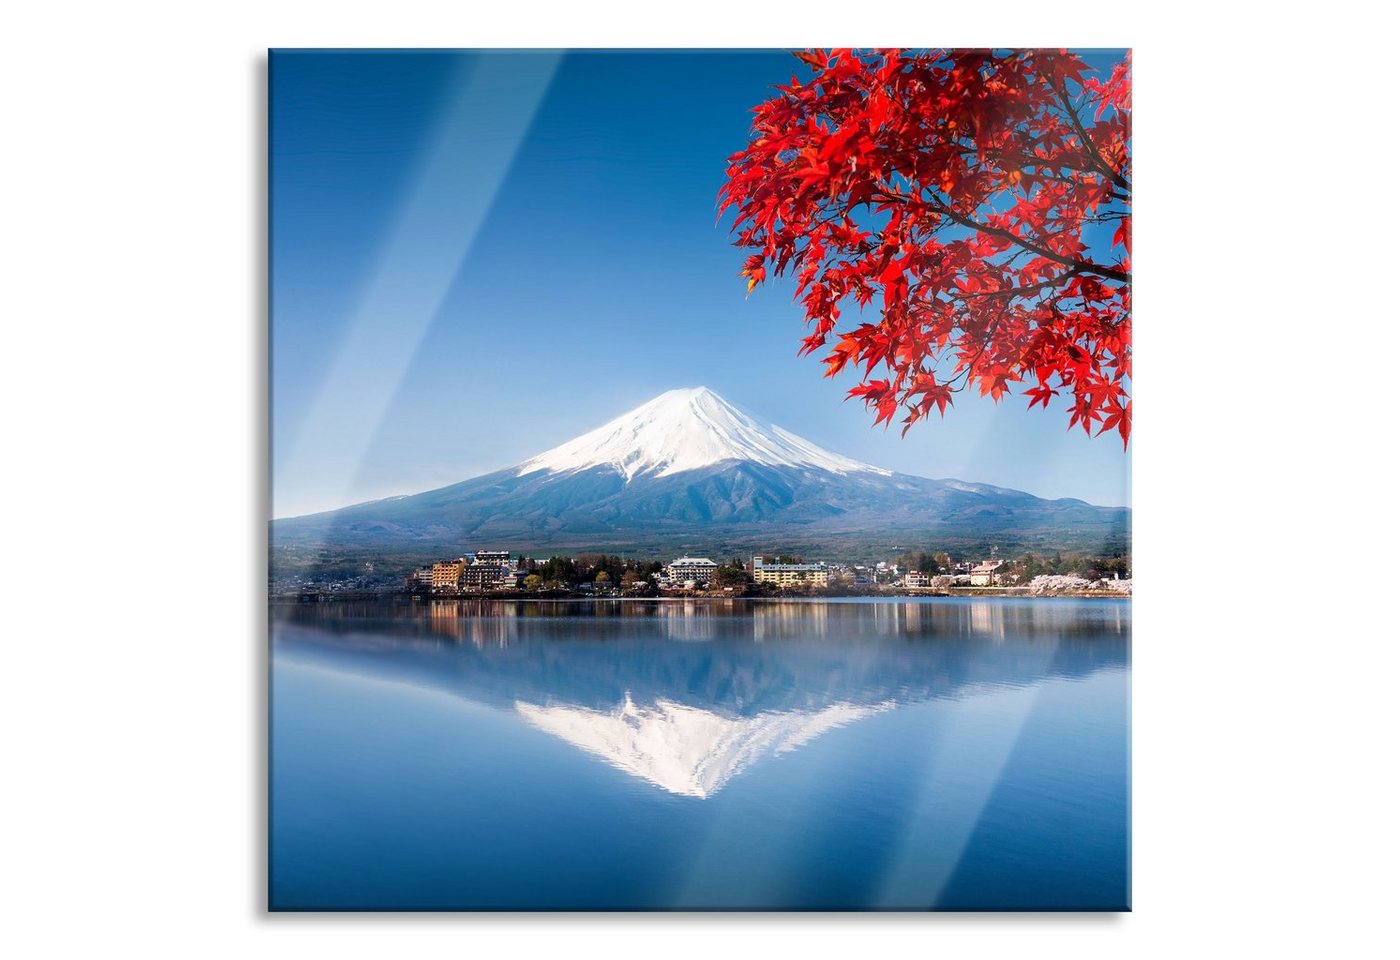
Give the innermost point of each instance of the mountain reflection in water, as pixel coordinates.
(686, 695)
(943, 754)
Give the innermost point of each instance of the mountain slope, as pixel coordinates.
(688, 468)
(685, 430)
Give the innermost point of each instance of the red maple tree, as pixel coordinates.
(984, 197)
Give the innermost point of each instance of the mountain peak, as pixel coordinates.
(687, 429)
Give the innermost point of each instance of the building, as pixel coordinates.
(447, 574)
(916, 579)
(700, 570)
(985, 573)
(790, 574)
(473, 573)
(489, 570)
(888, 573)
(480, 577)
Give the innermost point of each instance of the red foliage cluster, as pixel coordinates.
(983, 196)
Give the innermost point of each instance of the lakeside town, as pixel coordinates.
(496, 573)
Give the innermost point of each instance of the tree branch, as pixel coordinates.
(1118, 179)
(1014, 292)
(1111, 273)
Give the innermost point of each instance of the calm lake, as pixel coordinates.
(887, 754)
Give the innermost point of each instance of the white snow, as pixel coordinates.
(686, 750)
(685, 430)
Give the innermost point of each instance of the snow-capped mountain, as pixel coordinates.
(689, 469)
(685, 430)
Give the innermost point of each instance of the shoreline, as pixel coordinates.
(955, 593)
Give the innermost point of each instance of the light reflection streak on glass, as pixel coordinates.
(974, 747)
(479, 135)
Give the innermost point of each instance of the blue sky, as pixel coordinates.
(477, 256)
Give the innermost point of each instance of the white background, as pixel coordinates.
(134, 408)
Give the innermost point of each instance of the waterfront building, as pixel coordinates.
(700, 570)
(985, 573)
(447, 574)
(489, 570)
(790, 574)
(916, 579)
(480, 577)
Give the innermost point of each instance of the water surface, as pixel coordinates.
(939, 754)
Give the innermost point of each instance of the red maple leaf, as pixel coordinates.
(958, 189)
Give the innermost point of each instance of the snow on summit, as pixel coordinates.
(685, 430)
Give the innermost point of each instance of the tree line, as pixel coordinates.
(1027, 567)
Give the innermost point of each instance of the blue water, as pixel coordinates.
(890, 754)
